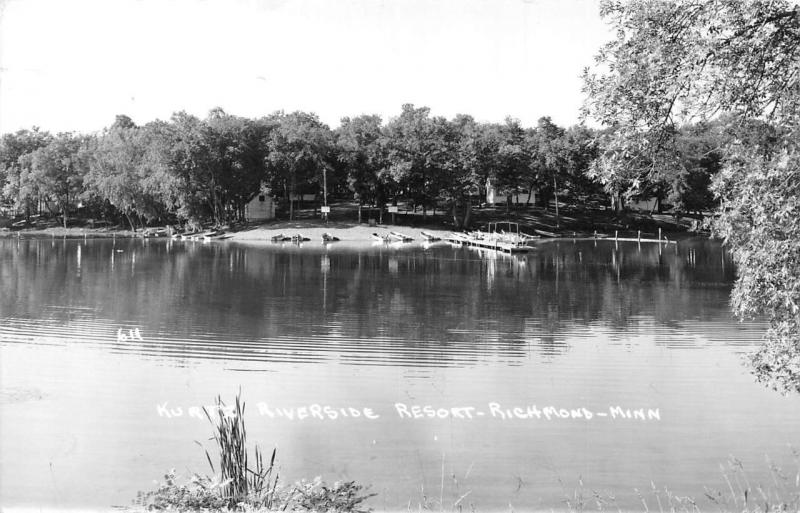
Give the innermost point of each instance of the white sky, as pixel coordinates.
(74, 64)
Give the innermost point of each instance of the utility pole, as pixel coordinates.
(325, 193)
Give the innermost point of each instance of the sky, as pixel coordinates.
(73, 65)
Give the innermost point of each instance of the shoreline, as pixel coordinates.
(345, 231)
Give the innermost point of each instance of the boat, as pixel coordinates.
(327, 237)
(280, 238)
(400, 237)
(380, 238)
(188, 235)
(154, 232)
(211, 234)
(429, 237)
(298, 237)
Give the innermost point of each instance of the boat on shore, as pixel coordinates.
(280, 238)
(380, 238)
(401, 237)
(299, 237)
(327, 237)
(429, 237)
(212, 234)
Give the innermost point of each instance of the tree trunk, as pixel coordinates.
(64, 212)
(456, 222)
(292, 194)
(359, 212)
(467, 214)
(128, 217)
(555, 193)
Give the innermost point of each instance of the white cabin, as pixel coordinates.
(260, 208)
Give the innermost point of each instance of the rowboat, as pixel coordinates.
(280, 238)
(429, 237)
(212, 234)
(400, 237)
(154, 232)
(327, 237)
(380, 238)
(299, 238)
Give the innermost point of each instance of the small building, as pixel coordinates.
(260, 208)
(493, 198)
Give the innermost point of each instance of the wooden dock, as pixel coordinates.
(508, 243)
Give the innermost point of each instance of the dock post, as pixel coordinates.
(639, 236)
(659, 235)
(595, 234)
(616, 234)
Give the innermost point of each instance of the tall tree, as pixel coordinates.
(547, 159)
(455, 164)
(699, 162)
(237, 151)
(188, 157)
(411, 149)
(360, 145)
(15, 166)
(513, 173)
(676, 62)
(57, 171)
(125, 170)
(300, 153)
(486, 144)
(580, 148)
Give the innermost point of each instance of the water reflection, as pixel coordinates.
(436, 306)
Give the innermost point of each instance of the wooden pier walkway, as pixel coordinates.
(522, 246)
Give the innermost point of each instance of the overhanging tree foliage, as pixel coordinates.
(673, 63)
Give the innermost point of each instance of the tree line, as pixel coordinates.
(196, 170)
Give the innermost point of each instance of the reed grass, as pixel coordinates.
(779, 492)
(242, 483)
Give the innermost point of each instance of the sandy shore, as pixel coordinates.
(346, 232)
(352, 233)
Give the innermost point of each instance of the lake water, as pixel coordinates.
(479, 379)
